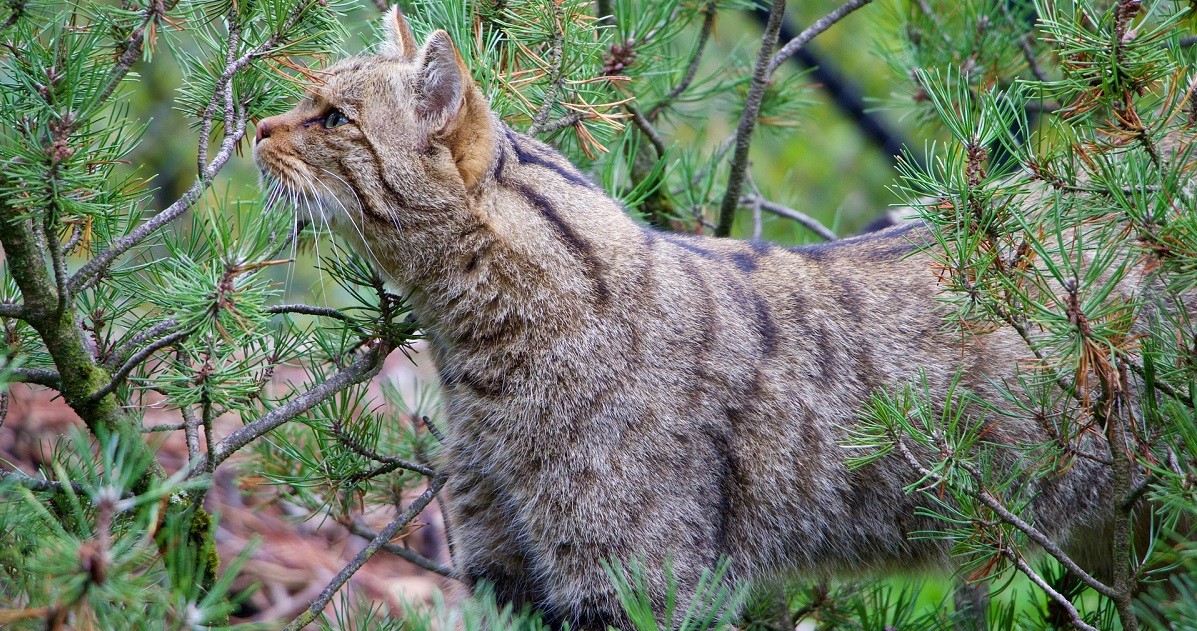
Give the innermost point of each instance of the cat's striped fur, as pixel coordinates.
(614, 391)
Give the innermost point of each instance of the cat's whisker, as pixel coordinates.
(332, 197)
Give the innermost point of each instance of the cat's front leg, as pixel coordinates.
(487, 548)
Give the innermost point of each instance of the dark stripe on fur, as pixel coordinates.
(581, 248)
(364, 198)
(565, 170)
(766, 326)
(689, 245)
(382, 177)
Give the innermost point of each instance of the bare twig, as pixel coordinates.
(191, 425)
(1024, 43)
(809, 33)
(11, 310)
(1005, 515)
(135, 361)
(384, 536)
(362, 369)
(647, 128)
(1059, 598)
(39, 376)
(169, 427)
(807, 221)
(121, 355)
(358, 528)
(752, 108)
(704, 35)
(365, 452)
(324, 312)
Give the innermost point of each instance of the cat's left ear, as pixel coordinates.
(443, 80)
(399, 40)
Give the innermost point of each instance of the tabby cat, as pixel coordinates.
(618, 392)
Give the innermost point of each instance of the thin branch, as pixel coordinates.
(1005, 515)
(1060, 599)
(39, 376)
(358, 528)
(1159, 385)
(708, 23)
(647, 128)
(12, 310)
(135, 361)
(122, 354)
(57, 259)
(1024, 43)
(752, 108)
(39, 484)
(807, 221)
(362, 369)
(171, 427)
(133, 46)
(556, 74)
(36, 484)
(324, 312)
(191, 424)
(365, 452)
(820, 25)
(384, 536)
(569, 120)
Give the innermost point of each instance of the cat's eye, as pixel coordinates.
(335, 118)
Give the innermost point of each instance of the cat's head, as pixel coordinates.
(383, 140)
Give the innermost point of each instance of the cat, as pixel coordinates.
(618, 392)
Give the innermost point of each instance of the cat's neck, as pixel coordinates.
(537, 254)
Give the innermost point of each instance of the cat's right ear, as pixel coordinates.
(399, 41)
(443, 77)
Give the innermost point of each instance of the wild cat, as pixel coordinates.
(617, 392)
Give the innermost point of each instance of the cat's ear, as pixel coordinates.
(399, 41)
(442, 80)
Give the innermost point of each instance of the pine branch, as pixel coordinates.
(1032, 533)
(96, 266)
(122, 354)
(361, 370)
(1057, 597)
(752, 108)
(556, 73)
(384, 536)
(704, 35)
(12, 310)
(569, 120)
(324, 312)
(365, 452)
(647, 129)
(133, 46)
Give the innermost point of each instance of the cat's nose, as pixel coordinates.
(264, 127)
